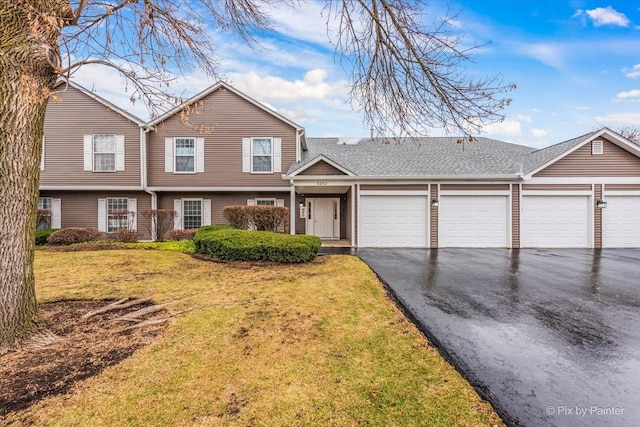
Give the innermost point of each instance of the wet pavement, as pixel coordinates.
(549, 337)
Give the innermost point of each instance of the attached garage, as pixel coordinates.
(473, 221)
(557, 221)
(388, 221)
(621, 222)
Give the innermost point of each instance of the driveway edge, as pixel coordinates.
(450, 357)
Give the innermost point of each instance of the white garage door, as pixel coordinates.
(393, 221)
(473, 222)
(555, 222)
(621, 222)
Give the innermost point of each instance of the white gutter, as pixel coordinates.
(211, 189)
(89, 188)
(405, 178)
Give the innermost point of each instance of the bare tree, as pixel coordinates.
(406, 77)
(632, 133)
(159, 221)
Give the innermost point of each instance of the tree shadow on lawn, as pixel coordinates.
(85, 348)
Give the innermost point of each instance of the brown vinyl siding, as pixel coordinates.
(322, 168)
(433, 218)
(557, 187)
(614, 161)
(391, 187)
(474, 187)
(515, 216)
(621, 187)
(66, 122)
(226, 118)
(219, 201)
(597, 217)
(80, 209)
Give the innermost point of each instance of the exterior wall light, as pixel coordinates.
(435, 203)
(601, 204)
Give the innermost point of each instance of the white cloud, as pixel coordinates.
(547, 53)
(269, 88)
(508, 127)
(310, 22)
(534, 110)
(538, 133)
(607, 16)
(632, 72)
(522, 118)
(630, 94)
(625, 118)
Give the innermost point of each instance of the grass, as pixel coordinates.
(271, 345)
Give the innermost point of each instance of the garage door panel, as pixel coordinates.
(473, 221)
(621, 222)
(393, 221)
(555, 222)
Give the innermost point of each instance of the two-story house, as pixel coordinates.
(224, 148)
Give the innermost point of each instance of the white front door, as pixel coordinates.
(325, 218)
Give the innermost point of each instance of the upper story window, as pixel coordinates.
(185, 155)
(104, 153)
(262, 155)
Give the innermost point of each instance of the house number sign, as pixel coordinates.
(321, 183)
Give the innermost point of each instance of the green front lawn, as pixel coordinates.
(275, 345)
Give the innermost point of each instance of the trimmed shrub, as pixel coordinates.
(42, 236)
(125, 235)
(261, 218)
(248, 245)
(68, 236)
(188, 234)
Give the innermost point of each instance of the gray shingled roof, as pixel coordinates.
(424, 157)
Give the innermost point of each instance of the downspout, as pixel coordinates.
(143, 162)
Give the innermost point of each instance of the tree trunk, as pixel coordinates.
(28, 47)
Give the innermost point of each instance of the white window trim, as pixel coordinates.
(270, 138)
(115, 152)
(597, 147)
(191, 199)
(107, 213)
(195, 156)
(265, 199)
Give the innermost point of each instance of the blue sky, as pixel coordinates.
(576, 64)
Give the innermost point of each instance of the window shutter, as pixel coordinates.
(206, 212)
(177, 206)
(56, 213)
(132, 206)
(88, 152)
(102, 214)
(42, 155)
(199, 154)
(119, 152)
(168, 154)
(251, 202)
(277, 154)
(279, 202)
(246, 154)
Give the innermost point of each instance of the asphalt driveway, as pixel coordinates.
(550, 337)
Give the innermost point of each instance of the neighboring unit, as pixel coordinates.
(223, 148)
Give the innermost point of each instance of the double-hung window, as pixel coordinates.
(117, 214)
(191, 214)
(185, 155)
(45, 205)
(262, 155)
(104, 153)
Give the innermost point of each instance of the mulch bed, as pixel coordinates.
(86, 347)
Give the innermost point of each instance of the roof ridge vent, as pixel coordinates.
(348, 141)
